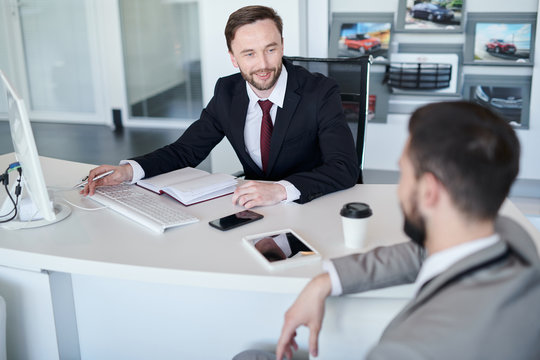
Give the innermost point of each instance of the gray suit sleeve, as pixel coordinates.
(381, 267)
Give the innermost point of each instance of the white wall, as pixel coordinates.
(471, 5)
(530, 161)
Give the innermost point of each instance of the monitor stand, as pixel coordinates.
(61, 211)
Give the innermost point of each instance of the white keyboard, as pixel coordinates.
(143, 206)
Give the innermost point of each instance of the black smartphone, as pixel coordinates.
(235, 220)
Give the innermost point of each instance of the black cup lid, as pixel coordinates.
(356, 210)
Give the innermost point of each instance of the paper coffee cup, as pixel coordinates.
(354, 217)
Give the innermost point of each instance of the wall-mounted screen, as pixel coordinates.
(357, 34)
(500, 39)
(502, 42)
(430, 16)
(508, 96)
(364, 38)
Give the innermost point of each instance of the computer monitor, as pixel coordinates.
(34, 197)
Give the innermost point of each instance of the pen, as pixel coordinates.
(100, 176)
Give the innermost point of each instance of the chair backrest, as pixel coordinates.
(352, 76)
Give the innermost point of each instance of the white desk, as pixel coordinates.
(193, 292)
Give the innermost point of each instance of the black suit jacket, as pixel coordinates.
(312, 146)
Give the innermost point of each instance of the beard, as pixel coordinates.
(250, 78)
(414, 224)
(416, 232)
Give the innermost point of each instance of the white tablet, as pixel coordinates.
(281, 248)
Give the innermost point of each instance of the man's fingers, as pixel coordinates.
(240, 191)
(120, 174)
(314, 341)
(285, 341)
(254, 193)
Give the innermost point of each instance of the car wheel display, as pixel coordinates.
(361, 50)
(497, 50)
(430, 17)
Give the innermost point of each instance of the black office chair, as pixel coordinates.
(352, 76)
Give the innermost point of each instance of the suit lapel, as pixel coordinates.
(240, 103)
(470, 263)
(284, 115)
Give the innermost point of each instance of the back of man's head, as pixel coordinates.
(470, 149)
(248, 15)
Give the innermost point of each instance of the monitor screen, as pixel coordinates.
(33, 182)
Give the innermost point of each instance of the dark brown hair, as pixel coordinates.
(248, 15)
(470, 149)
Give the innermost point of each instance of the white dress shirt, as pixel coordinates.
(252, 127)
(252, 132)
(432, 266)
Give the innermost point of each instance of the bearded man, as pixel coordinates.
(476, 275)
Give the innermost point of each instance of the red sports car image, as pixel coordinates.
(363, 43)
(500, 46)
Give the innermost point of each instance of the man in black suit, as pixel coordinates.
(285, 124)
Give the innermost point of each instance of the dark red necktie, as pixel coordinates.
(266, 132)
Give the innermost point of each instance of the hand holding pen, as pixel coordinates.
(100, 176)
(106, 175)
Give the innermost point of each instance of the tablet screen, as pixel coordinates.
(281, 246)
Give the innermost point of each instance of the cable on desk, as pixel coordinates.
(83, 208)
(59, 189)
(56, 189)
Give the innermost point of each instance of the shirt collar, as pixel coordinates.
(278, 94)
(441, 261)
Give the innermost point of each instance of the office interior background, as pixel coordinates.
(86, 68)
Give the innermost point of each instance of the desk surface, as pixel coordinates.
(104, 243)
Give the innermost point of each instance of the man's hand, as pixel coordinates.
(307, 310)
(121, 173)
(254, 193)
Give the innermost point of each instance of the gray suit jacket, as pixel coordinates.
(486, 306)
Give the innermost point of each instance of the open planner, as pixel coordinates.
(190, 186)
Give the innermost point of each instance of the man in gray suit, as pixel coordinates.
(477, 276)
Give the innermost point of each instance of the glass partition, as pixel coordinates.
(161, 58)
(57, 55)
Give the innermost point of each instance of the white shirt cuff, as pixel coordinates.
(138, 172)
(292, 192)
(329, 267)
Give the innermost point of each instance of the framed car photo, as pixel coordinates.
(506, 39)
(353, 35)
(442, 16)
(507, 96)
